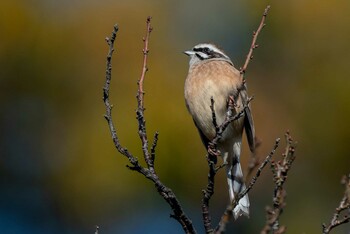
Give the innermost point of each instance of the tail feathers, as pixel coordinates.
(242, 208)
(236, 185)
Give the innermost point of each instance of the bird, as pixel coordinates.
(212, 75)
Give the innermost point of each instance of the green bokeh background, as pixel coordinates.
(59, 170)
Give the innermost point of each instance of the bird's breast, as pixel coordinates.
(204, 82)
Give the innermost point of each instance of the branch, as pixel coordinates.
(208, 193)
(343, 206)
(149, 156)
(212, 145)
(144, 66)
(226, 217)
(280, 171)
(140, 99)
(253, 44)
(108, 114)
(212, 155)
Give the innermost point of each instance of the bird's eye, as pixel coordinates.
(206, 50)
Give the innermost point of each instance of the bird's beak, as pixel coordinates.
(189, 52)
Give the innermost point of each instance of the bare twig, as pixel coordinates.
(108, 114)
(140, 99)
(212, 145)
(144, 66)
(229, 119)
(227, 216)
(258, 172)
(149, 156)
(212, 158)
(344, 206)
(208, 193)
(280, 171)
(254, 45)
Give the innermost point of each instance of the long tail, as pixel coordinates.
(236, 185)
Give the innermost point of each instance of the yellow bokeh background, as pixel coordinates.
(60, 172)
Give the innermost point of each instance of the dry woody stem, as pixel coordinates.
(212, 158)
(212, 147)
(149, 155)
(280, 171)
(342, 212)
(253, 44)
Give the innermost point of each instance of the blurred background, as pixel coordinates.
(59, 170)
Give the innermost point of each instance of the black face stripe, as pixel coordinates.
(216, 55)
(202, 49)
(209, 52)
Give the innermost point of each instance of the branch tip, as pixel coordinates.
(255, 37)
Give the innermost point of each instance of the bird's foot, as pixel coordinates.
(213, 153)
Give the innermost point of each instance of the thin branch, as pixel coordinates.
(229, 119)
(258, 172)
(140, 98)
(227, 216)
(213, 153)
(280, 171)
(149, 157)
(208, 193)
(108, 114)
(254, 45)
(343, 206)
(212, 145)
(144, 66)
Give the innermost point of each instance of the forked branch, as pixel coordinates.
(212, 155)
(280, 171)
(212, 145)
(342, 212)
(149, 155)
